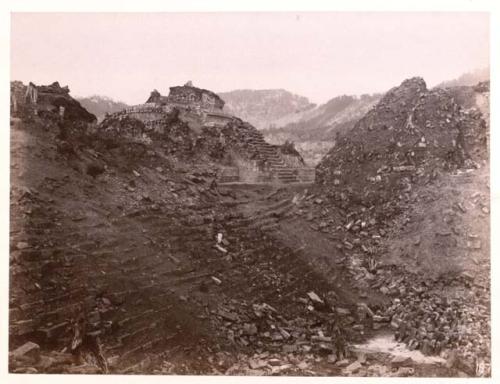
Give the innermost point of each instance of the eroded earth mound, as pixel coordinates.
(129, 256)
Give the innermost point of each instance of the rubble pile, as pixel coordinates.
(443, 243)
(215, 144)
(124, 128)
(49, 101)
(236, 136)
(408, 140)
(174, 135)
(29, 358)
(410, 134)
(405, 196)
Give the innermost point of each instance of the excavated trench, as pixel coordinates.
(158, 273)
(158, 270)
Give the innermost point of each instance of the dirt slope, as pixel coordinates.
(123, 264)
(127, 257)
(406, 197)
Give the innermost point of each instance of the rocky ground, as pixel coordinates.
(128, 257)
(406, 195)
(148, 269)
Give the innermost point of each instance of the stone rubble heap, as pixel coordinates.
(371, 186)
(149, 256)
(403, 140)
(47, 101)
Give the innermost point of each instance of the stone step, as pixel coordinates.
(271, 156)
(276, 163)
(264, 151)
(260, 222)
(277, 167)
(284, 176)
(228, 179)
(274, 156)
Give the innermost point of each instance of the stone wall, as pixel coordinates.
(250, 172)
(228, 174)
(306, 175)
(217, 119)
(292, 161)
(17, 95)
(193, 96)
(50, 100)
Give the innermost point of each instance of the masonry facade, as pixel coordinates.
(201, 109)
(188, 96)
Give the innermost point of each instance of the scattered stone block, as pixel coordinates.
(216, 280)
(29, 349)
(274, 362)
(342, 363)
(315, 298)
(401, 361)
(22, 245)
(353, 367)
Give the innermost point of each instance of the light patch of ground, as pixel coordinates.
(385, 343)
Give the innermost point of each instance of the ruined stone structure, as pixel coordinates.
(201, 109)
(195, 97)
(31, 94)
(188, 96)
(268, 163)
(47, 99)
(17, 94)
(198, 107)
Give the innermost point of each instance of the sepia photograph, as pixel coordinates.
(293, 193)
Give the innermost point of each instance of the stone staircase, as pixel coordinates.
(272, 158)
(229, 175)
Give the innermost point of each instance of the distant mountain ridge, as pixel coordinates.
(284, 116)
(265, 108)
(323, 123)
(467, 79)
(314, 132)
(100, 105)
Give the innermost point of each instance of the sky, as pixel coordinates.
(318, 55)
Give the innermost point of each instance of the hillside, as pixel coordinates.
(467, 79)
(315, 132)
(100, 105)
(405, 193)
(128, 255)
(267, 108)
